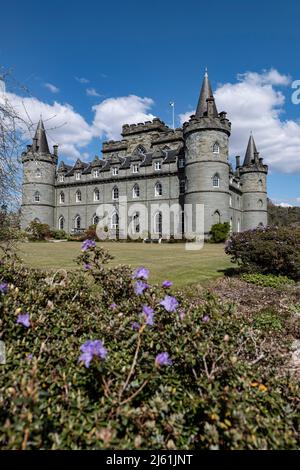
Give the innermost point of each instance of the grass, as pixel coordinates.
(165, 261)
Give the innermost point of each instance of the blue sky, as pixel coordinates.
(156, 52)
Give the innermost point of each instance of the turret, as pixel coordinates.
(39, 168)
(253, 174)
(207, 168)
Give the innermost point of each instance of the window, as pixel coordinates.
(217, 217)
(136, 191)
(38, 173)
(158, 223)
(135, 168)
(260, 203)
(230, 200)
(95, 219)
(136, 222)
(115, 193)
(230, 225)
(181, 163)
(37, 197)
(115, 171)
(216, 148)
(62, 198)
(239, 226)
(238, 201)
(140, 150)
(77, 176)
(157, 166)
(115, 221)
(96, 195)
(216, 181)
(61, 178)
(260, 185)
(158, 189)
(182, 187)
(78, 196)
(61, 223)
(96, 173)
(77, 222)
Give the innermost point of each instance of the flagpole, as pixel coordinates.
(172, 104)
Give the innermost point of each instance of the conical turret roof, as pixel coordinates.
(205, 93)
(250, 152)
(41, 139)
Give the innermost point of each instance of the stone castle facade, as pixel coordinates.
(152, 165)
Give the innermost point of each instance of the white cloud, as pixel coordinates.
(111, 113)
(92, 92)
(283, 204)
(82, 80)
(254, 103)
(51, 87)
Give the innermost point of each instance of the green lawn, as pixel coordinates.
(165, 261)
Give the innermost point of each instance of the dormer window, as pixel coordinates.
(181, 163)
(95, 173)
(216, 148)
(77, 176)
(135, 168)
(61, 178)
(115, 171)
(157, 166)
(140, 150)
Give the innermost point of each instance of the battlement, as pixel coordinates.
(207, 122)
(114, 146)
(156, 125)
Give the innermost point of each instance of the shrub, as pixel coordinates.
(267, 280)
(267, 250)
(38, 231)
(219, 232)
(58, 234)
(90, 233)
(110, 361)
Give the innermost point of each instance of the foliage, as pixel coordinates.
(90, 233)
(168, 376)
(58, 234)
(219, 232)
(38, 231)
(267, 280)
(269, 250)
(268, 320)
(283, 216)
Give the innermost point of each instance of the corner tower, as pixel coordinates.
(253, 176)
(206, 156)
(39, 168)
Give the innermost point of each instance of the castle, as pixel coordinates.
(151, 164)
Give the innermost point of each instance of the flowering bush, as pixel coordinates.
(93, 364)
(268, 250)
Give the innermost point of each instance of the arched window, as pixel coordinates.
(96, 195)
(37, 197)
(158, 223)
(230, 225)
(115, 221)
(216, 181)
(38, 173)
(115, 193)
(238, 226)
(61, 223)
(260, 203)
(136, 222)
(62, 197)
(217, 217)
(78, 196)
(77, 222)
(260, 185)
(230, 200)
(158, 189)
(216, 148)
(136, 191)
(95, 219)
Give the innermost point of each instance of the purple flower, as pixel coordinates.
(87, 244)
(141, 273)
(135, 325)
(87, 266)
(29, 357)
(23, 319)
(113, 306)
(163, 359)
(170, 303)
(148, 312)
(91, 349)
(205, 318)
(139, 287)
(3, 288)
(167, 284)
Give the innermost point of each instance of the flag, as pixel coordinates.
(172, 103)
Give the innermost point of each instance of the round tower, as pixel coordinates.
(253, 176)
(207, 168)
(39, 168)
